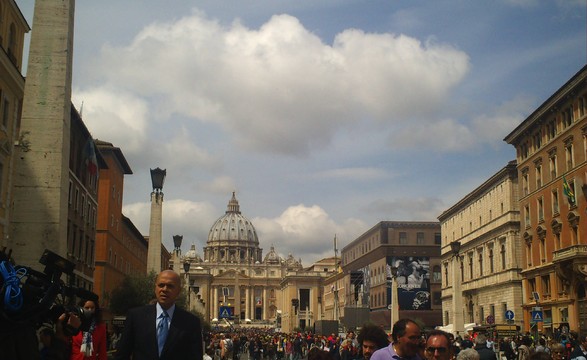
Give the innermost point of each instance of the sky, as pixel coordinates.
(325, 117)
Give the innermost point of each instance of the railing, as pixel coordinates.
(570, 253)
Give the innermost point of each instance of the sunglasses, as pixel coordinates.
(432, 350)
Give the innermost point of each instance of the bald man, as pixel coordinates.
(162, 330)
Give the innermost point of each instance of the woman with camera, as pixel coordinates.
(91, 342)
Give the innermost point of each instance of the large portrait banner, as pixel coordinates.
(413, 282)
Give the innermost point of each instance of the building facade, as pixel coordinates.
(482, 253)
(551, 152)
(411, 248)
(13, 28)
(121, 249)
(234, 280)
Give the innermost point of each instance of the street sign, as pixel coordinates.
(537, 316)
(490, 319)
(224, 313)
(509, 315)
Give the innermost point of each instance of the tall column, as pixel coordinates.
(237, 299)
(41, 173)
(155, 233)
(215, 302)
(457, 297)
(248, 302)
(264, 302)
(154, 249)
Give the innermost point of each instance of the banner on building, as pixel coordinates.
(413, 282)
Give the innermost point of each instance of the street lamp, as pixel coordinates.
(158, 178)
(177, 239)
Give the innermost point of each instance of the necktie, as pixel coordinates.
(162, 330)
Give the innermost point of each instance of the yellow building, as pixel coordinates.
(13, 27)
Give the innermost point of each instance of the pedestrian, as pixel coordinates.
(162, 330)
(371, 338)
(438, 346)
(484, 352)
(468, 354)
(91, 343)
(406, 342)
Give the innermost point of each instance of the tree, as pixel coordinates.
(135, 290)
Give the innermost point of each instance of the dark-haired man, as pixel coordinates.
(371, 338)
(438, 346)
(406, 342)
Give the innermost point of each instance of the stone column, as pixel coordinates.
(215, 302)
(155, 231)
(41, 173)
(264, 302)
(248, 302)
(457, 297)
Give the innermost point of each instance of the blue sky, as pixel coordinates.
(325, 117)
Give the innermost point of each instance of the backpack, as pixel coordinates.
(228, 344)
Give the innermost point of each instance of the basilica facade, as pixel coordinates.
(233, 280)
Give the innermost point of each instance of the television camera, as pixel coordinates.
(31, 298)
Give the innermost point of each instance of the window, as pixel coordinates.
(538, 176)
(553, 171)
(569, 156)
(491, 269)
(420, 238)
(525, 188)
(531, 288)
(529, 254)
(403, 238)
(436, 276)
(502, 255)
(480, 255)
(555, 205)
(5, 113)
(546, 285)
(437, 239)
(527, 215)
(551, 129)
(471, 266)
(542, 250)
(540, 204)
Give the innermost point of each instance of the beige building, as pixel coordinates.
(551, 152)
(233, 278)
(481, 254)
(413, 249)
(13, 28)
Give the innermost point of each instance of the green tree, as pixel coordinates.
(135, 290)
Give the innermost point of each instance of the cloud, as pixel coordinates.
(280, 88)
(220, 185)
(413, 208)
(307, 232)
(180, 217)
(355, 174)
(112, 114)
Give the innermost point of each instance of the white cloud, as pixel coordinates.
(113, 114)
(280, 88)
(306, 232)
(180, 217)
(220, 185)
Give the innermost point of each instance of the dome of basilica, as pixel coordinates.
(232, 238)
(192, 254)
(272, 257)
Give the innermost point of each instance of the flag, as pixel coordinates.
(568, 191)
(90, 156)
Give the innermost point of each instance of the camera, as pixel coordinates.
(31, 297)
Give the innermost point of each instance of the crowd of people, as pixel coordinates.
(163, 331)
(407, 342)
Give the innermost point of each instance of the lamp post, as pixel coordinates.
(457, 296)
(155, 226)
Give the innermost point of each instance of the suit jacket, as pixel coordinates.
(139, 337)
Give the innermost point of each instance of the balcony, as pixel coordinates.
(570, 253)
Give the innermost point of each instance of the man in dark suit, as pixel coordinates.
(178, 331)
